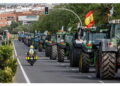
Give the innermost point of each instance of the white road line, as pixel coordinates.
(14, 49)
(101, 81)
(73, 69)
(89, 76)
(23, 71)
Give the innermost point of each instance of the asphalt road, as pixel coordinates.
(51, 71)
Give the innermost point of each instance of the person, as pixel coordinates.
(31, 51)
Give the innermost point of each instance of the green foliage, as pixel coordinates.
(12, 63)
(6, 75)
(4, 28)
(54, 21)
(7, 42)
(6, 52)
(57, 18)
(8, 64)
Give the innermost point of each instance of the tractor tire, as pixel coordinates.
(61, 55)
(97, 66)
(74, 57)
(84, 63)
(47, 51)
(53, 52)
(40, 48)
(107, 66)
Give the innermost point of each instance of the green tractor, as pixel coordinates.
(51, 47)
(41, 44)
(64, 41)
(108, 59)
(61, 45)
(89, 47)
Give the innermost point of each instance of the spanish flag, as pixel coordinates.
(89, 20)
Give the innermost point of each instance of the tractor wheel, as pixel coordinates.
(97, 66)
(40, 48)
(53, 52)
(47, 51)
(61, 55)
(74, 57)
(84, 63)
(107, 65)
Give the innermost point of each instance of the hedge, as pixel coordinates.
(8, 64)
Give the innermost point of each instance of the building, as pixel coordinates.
(24, 17)
(28, 19)
(25, 13)
(7, 18)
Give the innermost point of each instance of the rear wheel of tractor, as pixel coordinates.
(74, 58)
(97, 66)
(84, 63)
(54, 52)
(47, 51)
(61, 55)
(107, 66)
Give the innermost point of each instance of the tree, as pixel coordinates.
(58, 18)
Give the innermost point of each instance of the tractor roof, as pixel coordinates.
(115, 21)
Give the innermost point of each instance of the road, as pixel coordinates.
(51, 71)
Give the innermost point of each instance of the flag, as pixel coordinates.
(89, 20)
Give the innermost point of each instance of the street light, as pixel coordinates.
(80, 22)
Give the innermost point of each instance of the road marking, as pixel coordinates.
(23, 71)
(14, 49)
(89, 76)
(73, 69)
(62, 64)
(101, 81)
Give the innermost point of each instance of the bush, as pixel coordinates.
(5, 53)
(6, 75)
(7, 42)
(8, 64)
(12, 63)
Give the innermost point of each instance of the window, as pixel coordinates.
(31, 17)
(117, 30)
(10, 18)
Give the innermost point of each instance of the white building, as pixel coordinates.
(28, 19)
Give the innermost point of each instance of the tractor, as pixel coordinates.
(89, 47)
(50, 46)
(61, 45)
(21, 36)
(64, 42)
(108, 59)
(41, 44)
(76, 47)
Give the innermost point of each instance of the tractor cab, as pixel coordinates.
(93, 36)
(60, 36)
(114, 30)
